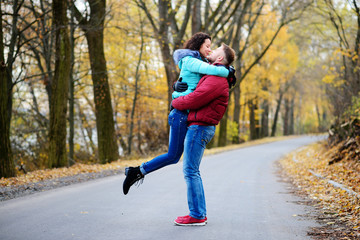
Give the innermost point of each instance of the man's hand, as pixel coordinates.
(171, 106)
(231, 77)
(180, 86)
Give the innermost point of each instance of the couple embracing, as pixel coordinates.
(199, 102)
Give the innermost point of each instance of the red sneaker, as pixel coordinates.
(190, 221)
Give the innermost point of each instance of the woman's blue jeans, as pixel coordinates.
(178, 127)
(195, 142)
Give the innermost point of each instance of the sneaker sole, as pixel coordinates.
(191, 224)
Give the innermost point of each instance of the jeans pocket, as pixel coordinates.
(171, 119)
(207, 135)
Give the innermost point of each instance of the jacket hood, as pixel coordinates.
(181, 53)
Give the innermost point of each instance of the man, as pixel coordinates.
(207, 105)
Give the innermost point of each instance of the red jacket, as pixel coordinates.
(208, 103)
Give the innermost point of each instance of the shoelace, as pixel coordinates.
(140, 181)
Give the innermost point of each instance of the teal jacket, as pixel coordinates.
(192, 69)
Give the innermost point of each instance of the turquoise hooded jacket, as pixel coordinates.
(192, 68)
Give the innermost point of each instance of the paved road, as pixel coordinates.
(245, 200)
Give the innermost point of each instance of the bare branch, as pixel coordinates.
(141, 4)
(339, 27)
(79, 17)
(181, 33)
(214, 14)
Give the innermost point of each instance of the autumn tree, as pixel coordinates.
(7, 168)
(22, 21)
(13, 42)
(345, 78)
(38, 68)
(286, 11)
(168, 31)
(60, 87)
(93, 27)
(39, 39)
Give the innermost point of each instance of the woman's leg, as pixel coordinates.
(178, 129)
(195, 142)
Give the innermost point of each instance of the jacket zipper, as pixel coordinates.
(195, 114)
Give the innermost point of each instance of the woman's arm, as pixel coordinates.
(196, 65)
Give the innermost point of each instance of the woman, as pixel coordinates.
(193, 65)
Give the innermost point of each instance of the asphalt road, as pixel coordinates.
(246, 199)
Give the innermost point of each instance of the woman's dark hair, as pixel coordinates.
(195, 42)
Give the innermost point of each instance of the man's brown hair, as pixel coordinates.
(229, 54)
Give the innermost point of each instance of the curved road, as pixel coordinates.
(245, 200)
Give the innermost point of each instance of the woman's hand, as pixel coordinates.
(231, 78)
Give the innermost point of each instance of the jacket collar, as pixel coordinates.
(181, 53)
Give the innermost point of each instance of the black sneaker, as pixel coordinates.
(133, 175)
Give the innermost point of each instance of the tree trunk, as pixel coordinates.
(16, 6)
(170, 68)
(94, 33)
(254, 121)
(286, 117)
(265, 119)
(71, 88)
(107, 146)
(60, 87)
(236, 89)
(137, 78)
(139, 138)
(222, 130)
(237, 106)
(292, 127)
(196, 17)
(318, 116)
(238, 62)
(264, 129)
(87, 129)
(273, 128)
(243, 126)
(7, 167)
(165, 38)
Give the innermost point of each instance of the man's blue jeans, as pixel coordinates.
(195, 142)
(178, 127)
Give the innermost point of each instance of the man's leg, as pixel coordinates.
(195, 142)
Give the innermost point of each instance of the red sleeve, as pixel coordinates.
(208, 89)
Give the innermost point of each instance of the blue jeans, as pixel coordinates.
(195, 142)
(178, 127)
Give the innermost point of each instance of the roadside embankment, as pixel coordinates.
(334, 187)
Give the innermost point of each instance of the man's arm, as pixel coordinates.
(204, 93)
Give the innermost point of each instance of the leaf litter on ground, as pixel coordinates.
(340, 209)
(48, 174)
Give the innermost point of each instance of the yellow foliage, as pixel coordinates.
(123, 35)
(277, 67)
(328, 79)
